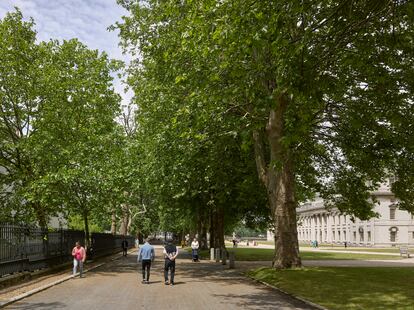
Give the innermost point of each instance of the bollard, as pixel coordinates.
(232, 258)
(224, 257)
(212, 254)
(217, 255)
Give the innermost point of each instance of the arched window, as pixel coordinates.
(393, 233)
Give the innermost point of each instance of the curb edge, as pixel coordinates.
(317, 306)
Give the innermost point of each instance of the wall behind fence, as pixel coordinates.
(28, 249)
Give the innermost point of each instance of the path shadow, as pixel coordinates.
(266, 299)
(151, 282)
(179, 283)
(38, 305)
(202, 272)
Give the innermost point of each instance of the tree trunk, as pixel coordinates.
(86, 229)
(283, 210)
(212, 228)
(203, 237)
(279, 180)
(128, 230)
(123, 230)
(220, 227)
(40, 215)
(113, 222)
(217, 228)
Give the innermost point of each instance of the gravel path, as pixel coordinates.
(204, 285)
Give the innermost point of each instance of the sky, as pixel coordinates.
(86, 20)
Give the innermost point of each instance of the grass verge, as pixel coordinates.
(255, 254)
(347, 288)
(378, 250)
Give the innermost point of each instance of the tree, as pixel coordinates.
(321, 88)
(21, 100)
(75, 128)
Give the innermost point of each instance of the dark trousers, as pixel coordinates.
(146, 266)
(195, 254)
(169, 265)
(124, 251)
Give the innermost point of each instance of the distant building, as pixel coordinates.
(391, 228)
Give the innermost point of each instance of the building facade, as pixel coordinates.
(393, 226)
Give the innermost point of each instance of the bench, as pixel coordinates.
(405, 251)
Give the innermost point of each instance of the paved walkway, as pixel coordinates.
(198, 286)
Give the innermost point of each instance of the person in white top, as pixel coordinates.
(194, 249)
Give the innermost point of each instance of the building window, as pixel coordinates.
(393, 233)
(412, 234)
(361, 236)
(333, 235)
(392, 213)
(339, 235)
(369, 236)
(354, 236)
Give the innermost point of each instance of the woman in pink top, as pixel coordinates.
(79, 256)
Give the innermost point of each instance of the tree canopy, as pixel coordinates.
(321, 89)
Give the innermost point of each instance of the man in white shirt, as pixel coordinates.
(194, 249)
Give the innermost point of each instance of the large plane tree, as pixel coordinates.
(321, 89)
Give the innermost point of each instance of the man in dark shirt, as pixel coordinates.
(124, 245)
(170, 254)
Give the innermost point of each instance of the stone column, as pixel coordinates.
(329, 227)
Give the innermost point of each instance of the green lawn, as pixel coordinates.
(346, 288)
(380, 250)
(252, 254)
(338, 247)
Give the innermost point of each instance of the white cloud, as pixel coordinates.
(86, 20)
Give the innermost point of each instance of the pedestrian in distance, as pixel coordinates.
(146, 255)
(194, 250)
(79, 257)
(170, 254)
(124, 246)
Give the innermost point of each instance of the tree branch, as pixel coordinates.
(260, 158)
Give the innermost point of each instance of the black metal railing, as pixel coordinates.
(27, 249)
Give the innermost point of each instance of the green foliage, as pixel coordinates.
(243, 231)
(76, 222)
(57, 131)
(211, 73)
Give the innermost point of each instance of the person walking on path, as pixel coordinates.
(79, 256)
(170, 254)
(124, 246)
(146, 255)
(194, 249)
